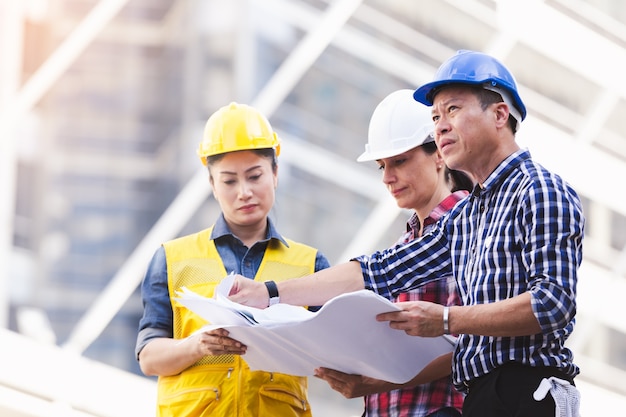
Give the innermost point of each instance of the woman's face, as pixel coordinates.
(244, 185)
(412, 177)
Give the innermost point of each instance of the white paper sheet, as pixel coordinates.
(343, 335)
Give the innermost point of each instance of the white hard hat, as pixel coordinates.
(399, 123)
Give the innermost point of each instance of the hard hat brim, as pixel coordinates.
(388, 153)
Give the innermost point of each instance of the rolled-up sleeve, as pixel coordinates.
(157, 319)
(553, 253)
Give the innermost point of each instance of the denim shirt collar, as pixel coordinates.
(221, 229)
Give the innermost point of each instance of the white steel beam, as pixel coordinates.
(577, 47)
(60, 60)
(39, 380)
(304, 55)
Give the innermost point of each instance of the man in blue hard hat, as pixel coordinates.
(514, 247)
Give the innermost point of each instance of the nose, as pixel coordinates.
(388, 176)
(245, 191)
(442, 126)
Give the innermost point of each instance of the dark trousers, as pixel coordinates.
(507, 391)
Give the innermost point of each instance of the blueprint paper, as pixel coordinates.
(343, 335)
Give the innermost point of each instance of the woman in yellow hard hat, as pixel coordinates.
(206, 375)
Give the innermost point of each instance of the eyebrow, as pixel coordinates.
(246, 171)
(450, 99)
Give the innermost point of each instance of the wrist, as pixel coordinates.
(272, 292)
(446, 320)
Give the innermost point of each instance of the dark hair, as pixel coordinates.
(487, 98)
(458, 179)
(268, 153)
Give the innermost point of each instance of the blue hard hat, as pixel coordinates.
(469, 67)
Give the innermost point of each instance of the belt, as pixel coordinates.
(542, 371)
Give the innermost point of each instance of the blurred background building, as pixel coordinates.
(102, 105)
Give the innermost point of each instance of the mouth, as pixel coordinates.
(444, 143)
(397, 191)
(247, 207)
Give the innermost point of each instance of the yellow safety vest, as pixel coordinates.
(224, 385)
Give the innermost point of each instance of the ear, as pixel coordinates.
(275, 172)
(439, 159)
(501, 113)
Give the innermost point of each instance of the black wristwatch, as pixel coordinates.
(272, 290)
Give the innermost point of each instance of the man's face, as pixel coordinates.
(465, 133)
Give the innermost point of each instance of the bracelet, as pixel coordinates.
(272, 290)
(446, 324)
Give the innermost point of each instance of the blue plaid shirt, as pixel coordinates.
(520, 231)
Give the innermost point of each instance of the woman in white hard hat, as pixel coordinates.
(206, 375)
(400, 140)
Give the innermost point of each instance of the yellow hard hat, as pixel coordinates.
(236, 127)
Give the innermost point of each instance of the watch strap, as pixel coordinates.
(272, 290)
